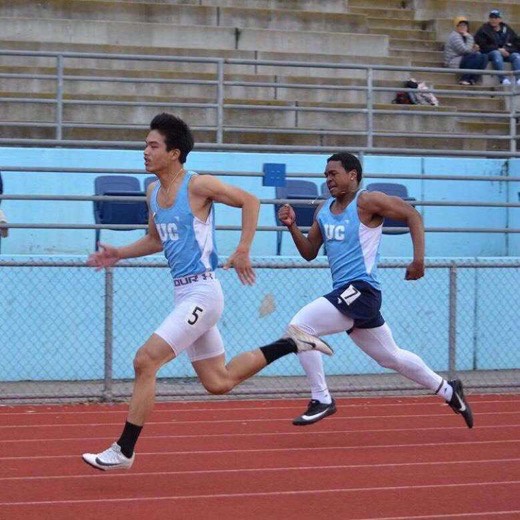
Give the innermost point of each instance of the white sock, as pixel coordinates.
(312, 363)
(445, 390)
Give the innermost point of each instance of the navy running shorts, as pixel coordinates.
(360, 301)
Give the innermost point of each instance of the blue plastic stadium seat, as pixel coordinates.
(297, 190)
(118, 212)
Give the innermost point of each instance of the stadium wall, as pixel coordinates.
(60, 334)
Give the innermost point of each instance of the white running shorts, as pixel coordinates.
(192, 325)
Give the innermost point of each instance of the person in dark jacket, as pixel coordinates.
(496, 39)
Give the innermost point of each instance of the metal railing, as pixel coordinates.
(363, 125)
(314, 202)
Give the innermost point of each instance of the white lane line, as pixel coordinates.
(300, 432)
(263, 494)
(249, 420)
(486, 515)
(134, 474)
(271, 450)
(430, 402)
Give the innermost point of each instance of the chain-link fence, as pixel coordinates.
(70, 332)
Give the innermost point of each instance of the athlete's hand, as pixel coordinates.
(286, 215)
(415, 270)
(242, 263)
(107, 256)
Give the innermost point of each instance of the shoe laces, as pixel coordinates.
(111, 455)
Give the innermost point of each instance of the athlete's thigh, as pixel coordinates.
(211, 371)
(320, 318)
(191, 318)
(208, 345)
(156, 351)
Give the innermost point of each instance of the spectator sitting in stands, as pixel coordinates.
(3, 231)
(500, 43)
(461, 51)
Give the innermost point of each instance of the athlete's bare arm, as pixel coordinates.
(308, 246)
(206, 189)
(151, 243)
(374, 206)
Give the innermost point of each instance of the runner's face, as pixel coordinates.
(339, 181)
(156, 157)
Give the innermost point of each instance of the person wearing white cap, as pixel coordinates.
(461, 51)
(501, 44)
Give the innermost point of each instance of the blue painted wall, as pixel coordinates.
(82, 241)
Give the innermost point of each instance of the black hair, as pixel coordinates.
(176, 133)
(349, 162)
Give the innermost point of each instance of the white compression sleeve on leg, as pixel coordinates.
(312, 363)
(379, 344)
(319, 318)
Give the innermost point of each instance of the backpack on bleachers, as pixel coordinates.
(416, 98)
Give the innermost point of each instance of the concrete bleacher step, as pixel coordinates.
(412, 45)
(238, 112)
(197, 15)
(387, 22)
(489, 127)
(475, 9)
(333, 6)
(163, 35)
(315, 137)
(370, 12)
(408, 34)
(381, 4)
(330, 6)
(283, 88)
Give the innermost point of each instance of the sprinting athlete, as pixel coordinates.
(350, 224)
(181, 222)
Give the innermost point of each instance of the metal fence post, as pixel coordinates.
(109, 335)
(370, 108)
(59, 98)
(220, 101)
(512, 119)
(452, 336)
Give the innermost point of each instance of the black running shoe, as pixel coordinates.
(459, 404)
(315, 412)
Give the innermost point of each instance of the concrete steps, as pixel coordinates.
(393, 32)
(394, 14)
(413, 45)
(195, 15)
(404, 34)
(381, 4)
(475, 9)
(166, 35)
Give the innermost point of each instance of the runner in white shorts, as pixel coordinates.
(350, 224)
(181, 222)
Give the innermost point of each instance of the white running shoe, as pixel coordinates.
(110, 459)
(506, 82)
(306, 341)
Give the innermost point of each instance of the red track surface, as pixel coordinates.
(385, 458)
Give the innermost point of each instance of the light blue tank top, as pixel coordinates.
(189, 244)
(352, 248)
